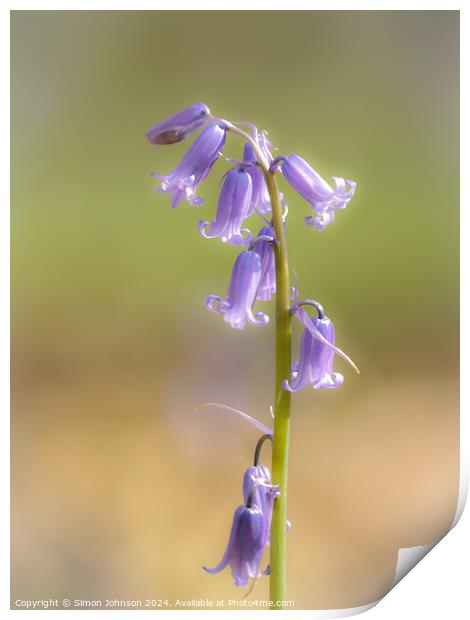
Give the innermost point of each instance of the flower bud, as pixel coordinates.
(177, 127)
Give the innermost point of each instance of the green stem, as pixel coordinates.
(280, 450)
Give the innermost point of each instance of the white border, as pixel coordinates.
(241, 5)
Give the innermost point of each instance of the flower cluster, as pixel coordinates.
(246, 191)
(243, 193)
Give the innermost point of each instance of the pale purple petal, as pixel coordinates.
(317, 350)
(245, 547)
(301, 370)
(232, 209)
(310, 185)
(322, 357)
(178, 126)
(194, 167)
(305, 319)
(237, 310)
(232, 543)
(264, 247)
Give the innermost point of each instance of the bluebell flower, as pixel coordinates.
(317, 351)
(325, 200)
(250, 527)
(315, 365)
(245, 547)
(237, 309)
(177, 127)
(233, 208)
(194, 167)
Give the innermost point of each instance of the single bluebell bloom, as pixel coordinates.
(315, 365)
(317, 351)
(247, 540)
(232, 209)
(194, 167)
(250, 527)
(237, 310)
(325, 200)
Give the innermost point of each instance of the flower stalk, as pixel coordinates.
(280, 450)
(282, 400)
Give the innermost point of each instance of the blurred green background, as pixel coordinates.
(118, 488)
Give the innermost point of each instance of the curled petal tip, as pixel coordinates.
(203, 226)
(260, 318)
(285, 386)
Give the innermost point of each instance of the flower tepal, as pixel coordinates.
(237, 310)
(263, 245)
(247, 540)
(232, 209)
(194, 167)
(325, 200)
(178, 126)
(315, 365)
(260, 201)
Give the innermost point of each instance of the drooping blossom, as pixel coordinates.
(233, 208)
(178, 126)
(317, 351)
(263, 245)
(325, 200)
(194, 167)
(237, 309)
(250, 527)
(245, 547)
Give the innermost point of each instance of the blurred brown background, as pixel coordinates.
(119, 489)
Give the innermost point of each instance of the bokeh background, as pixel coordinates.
(121, 490)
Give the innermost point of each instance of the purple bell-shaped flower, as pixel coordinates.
(325, 200)
(315, 365)
(194, 167)
(250, 527)
(245, 547)
(232, 209)
(237, 310)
